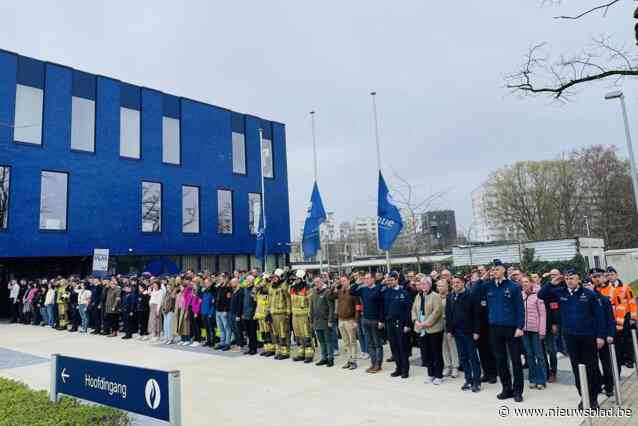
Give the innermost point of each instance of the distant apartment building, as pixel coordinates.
(439, 227)
(484, 228)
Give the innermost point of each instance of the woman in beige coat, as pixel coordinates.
(427, 314)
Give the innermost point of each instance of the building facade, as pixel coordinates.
(88, 162)
(484, 228)
(440, 228)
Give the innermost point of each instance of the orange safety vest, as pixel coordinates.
(622, 301)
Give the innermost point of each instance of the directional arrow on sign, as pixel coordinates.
(64, 375)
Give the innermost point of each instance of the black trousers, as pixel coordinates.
(75, 317)
(582, 350)
(142, 317)
(423, 348)
(399, 345)
(129, 323)
(435, 354)
(250, 326)
(488, 362)
(96, 317)
(209, 322)
(14, 312)
(504, 343)
(624, 344)
(606, 379)
(112, 323)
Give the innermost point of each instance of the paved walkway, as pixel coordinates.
(630, 400)
(230, 389)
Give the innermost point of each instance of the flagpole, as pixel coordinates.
(263, 197)
(314, 159)
(376, 137)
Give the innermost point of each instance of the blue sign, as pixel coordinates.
(139, 390)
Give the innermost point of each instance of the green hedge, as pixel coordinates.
(20, 406)
(529, 264)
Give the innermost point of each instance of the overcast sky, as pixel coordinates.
(446, 121)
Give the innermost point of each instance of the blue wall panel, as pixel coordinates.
(104, 194)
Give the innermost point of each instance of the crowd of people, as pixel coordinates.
(492, 323)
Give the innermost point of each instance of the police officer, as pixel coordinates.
(582, 327)
(397, 313)
(606, 378)
(506, 317)
(300, 301)
(129, 307)
(488, 362)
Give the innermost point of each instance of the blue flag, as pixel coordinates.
(388, 217)
(260, 249)
(311, 241)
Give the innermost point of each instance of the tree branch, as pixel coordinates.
(605, 8)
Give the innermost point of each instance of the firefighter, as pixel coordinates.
(606, 378)
(300, 301)
(63, 304)
(279, 314)
(261, 289)
(624, 304)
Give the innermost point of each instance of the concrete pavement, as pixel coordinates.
(231, 389)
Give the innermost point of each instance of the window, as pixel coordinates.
(151, 207)
(53, 201)
(28, 118)
(596, 261)
(254, 212)
(170, 141)
(82, 124)
(129, 133)
(224, 211)
(239, 153)
(190, 209)
(266, 158)
(5, 172)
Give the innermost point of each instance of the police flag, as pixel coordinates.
(260, 250)
(388, 217)
(311, 241)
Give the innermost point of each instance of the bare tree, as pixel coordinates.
(561, 76)
(542, 199)
(4, 196)
(609, 202)
(151, 207)
(413, 205)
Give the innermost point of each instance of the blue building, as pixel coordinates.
(88, 162)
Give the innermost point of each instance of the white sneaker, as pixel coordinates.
(447, 371)
(195, 344)
(427, 380)
(336, 353)
(437, 381)
(364, 356)
(454, 373)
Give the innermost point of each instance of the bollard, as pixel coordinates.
(635, 340)
(584, 390)
(616, 373)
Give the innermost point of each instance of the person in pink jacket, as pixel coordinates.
(534, 329)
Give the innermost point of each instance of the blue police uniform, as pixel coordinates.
(506, 313)
(582, 321)
(129, 308)
(397, 309)
(607, 380)
(488, 362)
